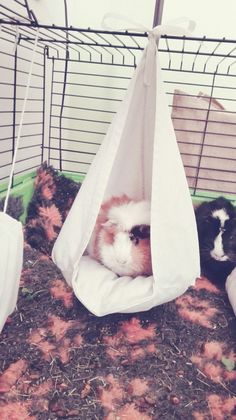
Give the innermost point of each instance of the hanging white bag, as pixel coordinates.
(139, 157)
(230, 287)
(11, 233)
(11, 258)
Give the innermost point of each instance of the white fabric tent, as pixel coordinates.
(138, 157)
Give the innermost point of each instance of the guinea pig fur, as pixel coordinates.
(216, 225)
(121, 237)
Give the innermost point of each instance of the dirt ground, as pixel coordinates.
(58, 361)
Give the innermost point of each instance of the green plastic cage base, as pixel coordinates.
(24, 187)
(209, 195)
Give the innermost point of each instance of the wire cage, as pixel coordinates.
(79, 79)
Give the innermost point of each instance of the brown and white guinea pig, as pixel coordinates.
(216, 224)
(121, 237)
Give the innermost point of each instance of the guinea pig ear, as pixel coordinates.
(203, 210)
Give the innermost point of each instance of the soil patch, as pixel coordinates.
(58, 361)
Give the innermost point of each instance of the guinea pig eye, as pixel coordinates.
(144, 231)
(141, 231)
(134, 239)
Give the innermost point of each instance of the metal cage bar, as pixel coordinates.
(80, 79)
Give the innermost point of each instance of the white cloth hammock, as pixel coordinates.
(138, 157)
(11, 233)
(230, 287)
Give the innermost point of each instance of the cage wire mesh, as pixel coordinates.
(79, 80)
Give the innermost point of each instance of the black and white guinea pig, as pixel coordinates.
(121, 237)
(216, 225)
